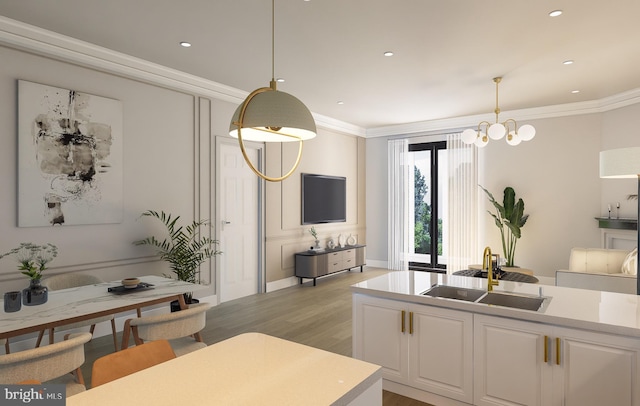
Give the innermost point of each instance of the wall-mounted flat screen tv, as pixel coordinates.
(324, 199)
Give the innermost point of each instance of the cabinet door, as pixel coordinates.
(378, 335)
(596, 369)
(509, 362)
(441, 351)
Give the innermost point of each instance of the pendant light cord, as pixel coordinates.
(497, 110)
(273, 41)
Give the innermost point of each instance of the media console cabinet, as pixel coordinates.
(312, 264)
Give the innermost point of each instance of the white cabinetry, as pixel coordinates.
(424, 347)
(525, 363)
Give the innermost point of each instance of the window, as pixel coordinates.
(428, 201)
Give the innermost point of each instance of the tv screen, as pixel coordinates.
(324, 199)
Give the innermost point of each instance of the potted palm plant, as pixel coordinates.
(184, 248)
(509, 218)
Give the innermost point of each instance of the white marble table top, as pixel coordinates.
(85, 302)
(248, 369)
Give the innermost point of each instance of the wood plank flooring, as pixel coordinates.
(318, 316)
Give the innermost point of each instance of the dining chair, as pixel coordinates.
(122, 363)
(74, 280)
(56, 363)
(181, 328)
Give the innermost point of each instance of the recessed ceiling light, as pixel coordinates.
(388, 53)
(555, 13)
(575, 91)
(185, 44)
(341, 102)
(280, 80)
(568, 62)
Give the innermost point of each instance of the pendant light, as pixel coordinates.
(269, 115)
(498, 130)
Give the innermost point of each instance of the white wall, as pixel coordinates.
(557, 176)
(159, 131)
(330, 153)
(620, 130)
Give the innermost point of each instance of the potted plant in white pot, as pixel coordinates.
(184, 248)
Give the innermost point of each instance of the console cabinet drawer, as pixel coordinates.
(314, 265)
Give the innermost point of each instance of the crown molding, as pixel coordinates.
(329, 123)
(16, 34)
(559, 110)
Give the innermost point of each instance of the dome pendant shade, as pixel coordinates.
(273, 116)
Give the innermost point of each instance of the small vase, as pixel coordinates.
(35, 294)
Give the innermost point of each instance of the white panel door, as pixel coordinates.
(239, 228)
(441, 351)
(379, 335)
(597, 369)
(509, 362)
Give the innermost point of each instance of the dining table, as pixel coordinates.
(247, 369)
(67, 306)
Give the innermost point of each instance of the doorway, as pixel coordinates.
(239, 208)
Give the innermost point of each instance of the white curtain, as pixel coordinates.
(398, 226)
(462, 235)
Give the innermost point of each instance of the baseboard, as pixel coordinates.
(282, 283)
(377, 264)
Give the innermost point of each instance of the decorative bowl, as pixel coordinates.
(130, 283)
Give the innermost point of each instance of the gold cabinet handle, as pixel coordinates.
(410, 322)
(402, 329)
(557, 350)
(546, 349)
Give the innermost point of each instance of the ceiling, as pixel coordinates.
(446, 52)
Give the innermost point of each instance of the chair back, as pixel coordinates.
(70, 280)
(44, 363)
(122, 363)
(173, 325)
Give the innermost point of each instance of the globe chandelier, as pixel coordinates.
(486, 130)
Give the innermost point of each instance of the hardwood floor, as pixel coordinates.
(318, 316)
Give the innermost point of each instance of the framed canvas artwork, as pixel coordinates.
(69, 157)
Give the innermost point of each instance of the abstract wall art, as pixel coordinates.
(69, 157)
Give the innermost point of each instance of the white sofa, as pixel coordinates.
(599, 269)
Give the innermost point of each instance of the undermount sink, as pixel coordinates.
(533, 303)
(452, 292)
(508, 300)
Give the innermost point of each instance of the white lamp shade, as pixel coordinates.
(482, 140)
(526, 132)
(469, 136)
(274, 116)
(496, 131)
(620, 163)
(513, 139)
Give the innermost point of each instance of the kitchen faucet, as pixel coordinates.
(487, 263)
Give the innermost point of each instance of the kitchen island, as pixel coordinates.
(248, 369)
(582, 347)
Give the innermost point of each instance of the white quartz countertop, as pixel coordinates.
(248, 369)
(608, 312)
